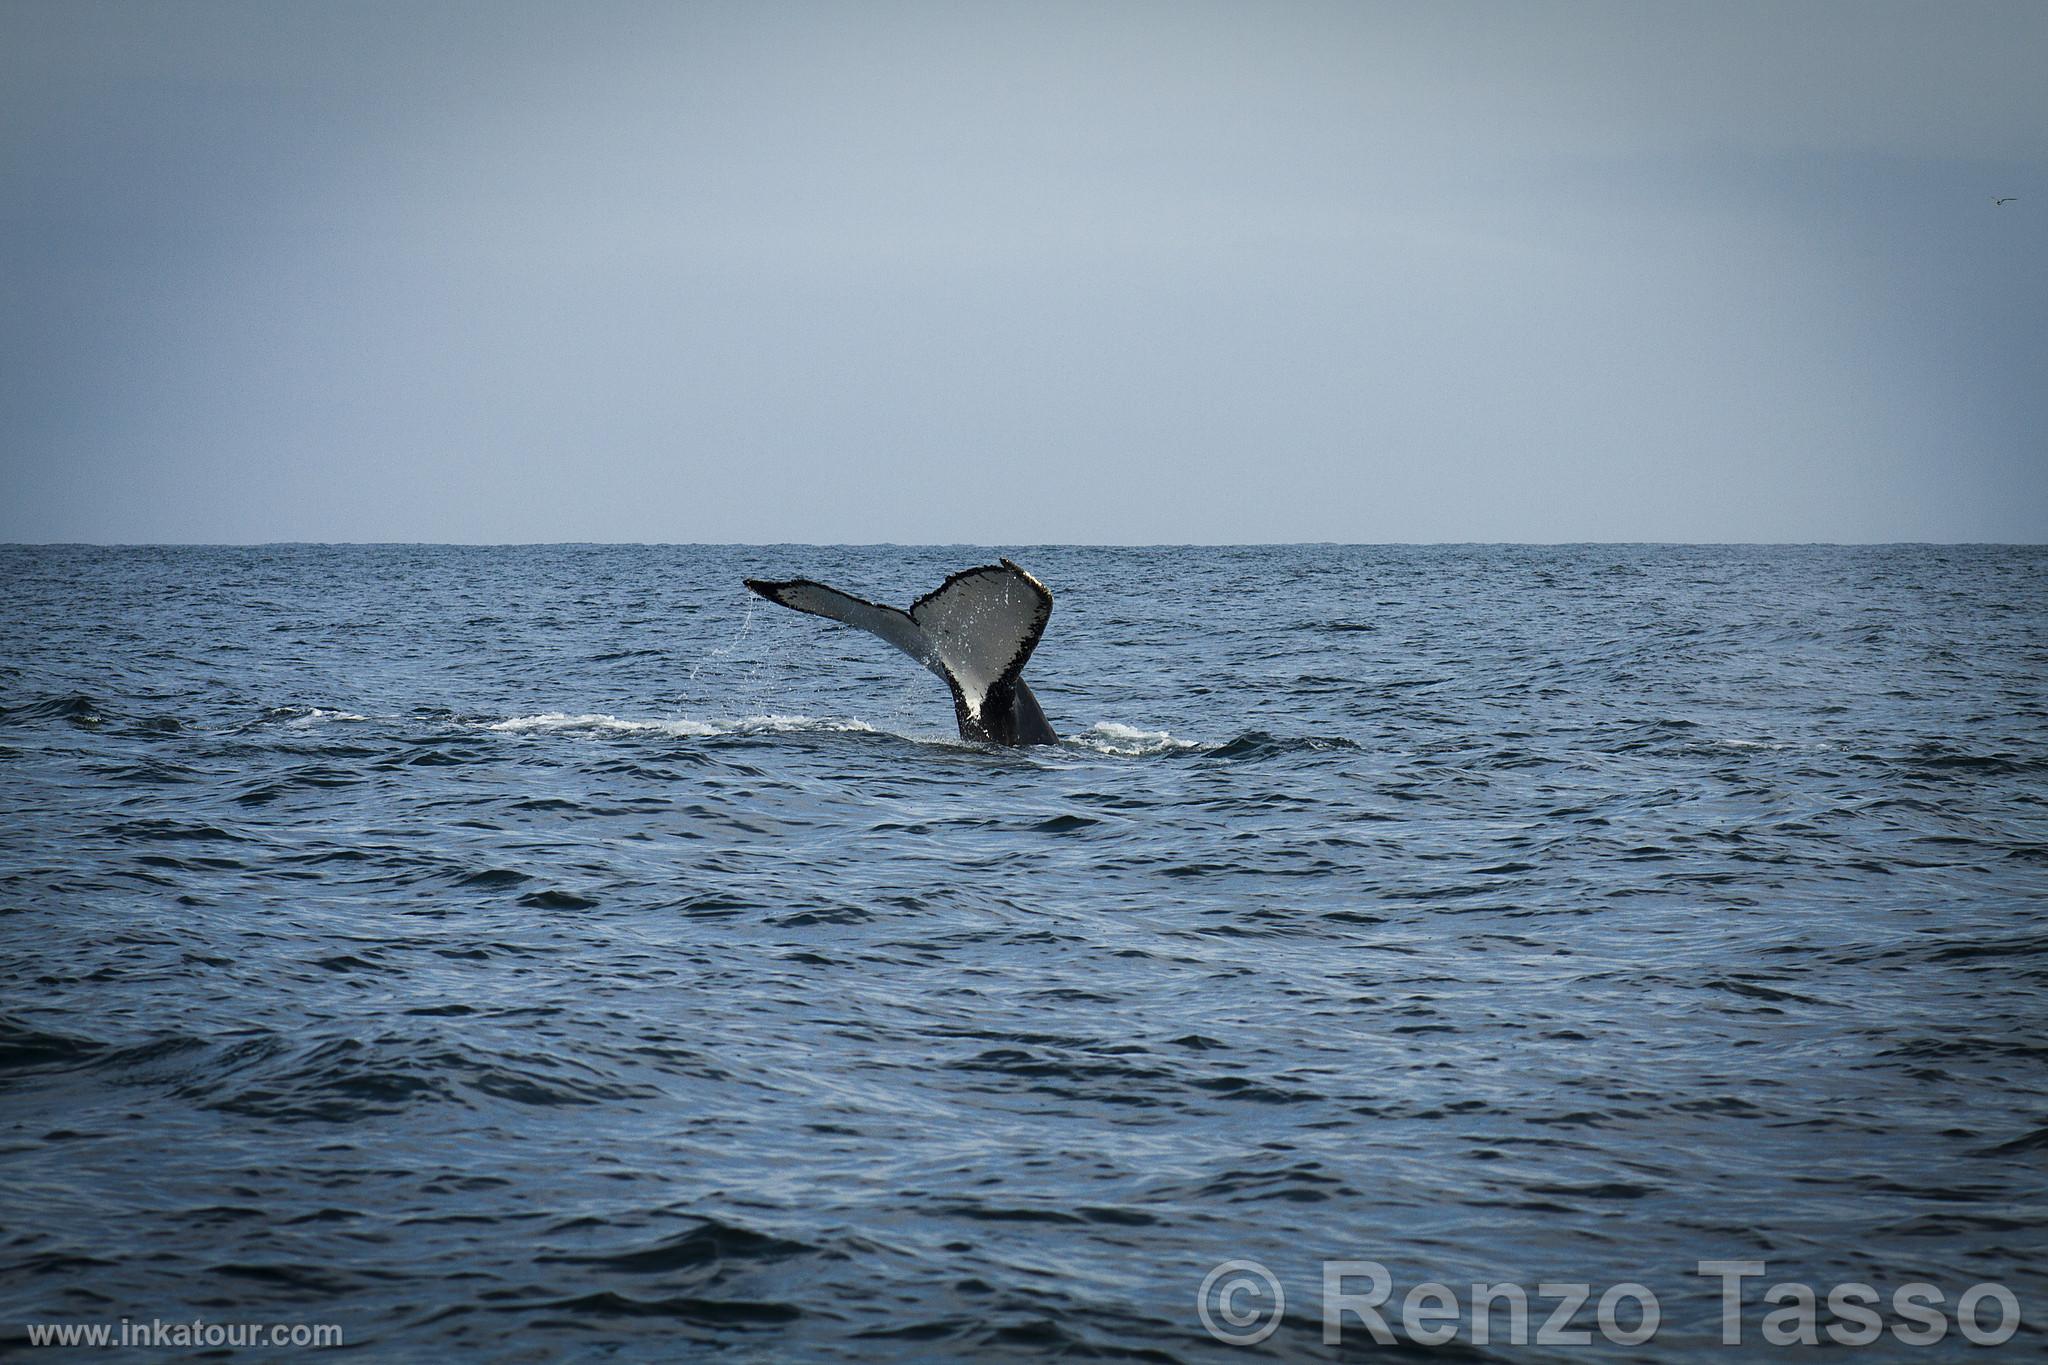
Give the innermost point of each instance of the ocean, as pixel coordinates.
(534, 953)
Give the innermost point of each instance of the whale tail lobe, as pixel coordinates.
(976, 631)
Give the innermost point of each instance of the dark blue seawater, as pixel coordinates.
(534, 953)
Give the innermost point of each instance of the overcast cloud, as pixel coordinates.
(1023, 273)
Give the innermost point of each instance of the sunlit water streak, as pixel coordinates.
(534, 951)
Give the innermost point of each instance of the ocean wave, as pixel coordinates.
(76, 707)
(1258, 744)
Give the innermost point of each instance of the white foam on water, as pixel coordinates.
(563, 722)
(1110, 737)
(779, 724)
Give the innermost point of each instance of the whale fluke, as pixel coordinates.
(976, 630)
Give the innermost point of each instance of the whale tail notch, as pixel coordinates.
(976, 631)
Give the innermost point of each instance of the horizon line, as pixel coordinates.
(990, 544)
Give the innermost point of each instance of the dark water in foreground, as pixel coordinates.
(527, 953)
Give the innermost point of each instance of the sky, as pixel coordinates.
(1023, 273)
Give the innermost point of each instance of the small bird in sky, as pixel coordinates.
(2010, 198)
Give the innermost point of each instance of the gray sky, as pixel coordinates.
(1020, 273)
